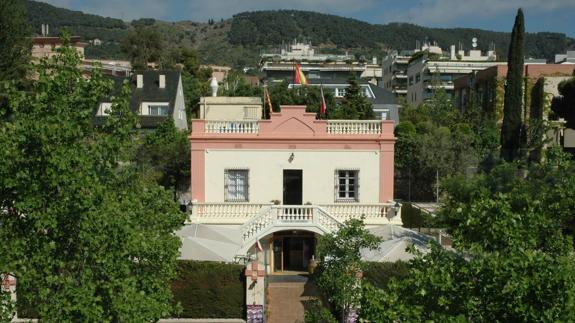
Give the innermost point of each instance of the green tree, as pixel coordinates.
(15, 43)
(564, 105)
(143, 45)
(164, 157)
(86, 238)
(355, 105)
(512, 129)
(341, 263)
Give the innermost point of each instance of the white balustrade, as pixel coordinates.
(354, 127)
(240, 126)
(289, 216)
(373, 213)
(233, 213)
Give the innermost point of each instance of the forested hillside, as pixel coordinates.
(269, 28)
(238, 41)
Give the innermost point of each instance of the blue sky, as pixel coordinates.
(540, 15)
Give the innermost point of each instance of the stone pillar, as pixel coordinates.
(8, 284)
(255, 292)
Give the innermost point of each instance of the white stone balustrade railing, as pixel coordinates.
(226, 213)
(377, 213)
(354, 127)
(289, 216)
(264, 214)
(213, 126)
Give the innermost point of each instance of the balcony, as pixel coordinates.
(258, 220)
(251, 126)
(242, 213)
(354, 127)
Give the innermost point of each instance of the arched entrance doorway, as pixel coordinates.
(292, 250)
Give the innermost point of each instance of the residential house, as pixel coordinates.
(156, 96)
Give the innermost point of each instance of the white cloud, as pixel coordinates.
(444, 11)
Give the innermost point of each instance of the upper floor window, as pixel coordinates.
(158, 110)
(236, 185)
(347, 185)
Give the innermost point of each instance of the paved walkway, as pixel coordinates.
(287, 300)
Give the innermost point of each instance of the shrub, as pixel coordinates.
(380, 273)
(209, 289)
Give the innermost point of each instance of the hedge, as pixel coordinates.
(203, 289)
(209, 289)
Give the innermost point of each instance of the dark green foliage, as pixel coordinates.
(436, 138)
(209, 289)
(316, 312)
(14, 42)
(89, 239)
(143, 45)
(354, 106)
(309, 96)
(337, 273)
(164, 157)
(512, 132)
(564, 106)
(380, 274)
(413, 217)
(271, 28)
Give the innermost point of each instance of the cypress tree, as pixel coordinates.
(511, 131)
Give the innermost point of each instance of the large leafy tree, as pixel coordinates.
(15, 43)
(514, 260)
(143, 45)
(354, 106)
(87, 239)
(564, 105)
(338, 273)
(512, 133)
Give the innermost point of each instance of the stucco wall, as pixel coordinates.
(266, 173)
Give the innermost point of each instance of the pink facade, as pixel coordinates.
(292, 129)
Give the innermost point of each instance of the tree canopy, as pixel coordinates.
(85, 236)
(15, 43)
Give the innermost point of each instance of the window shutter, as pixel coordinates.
(336, 186)
(357, 186)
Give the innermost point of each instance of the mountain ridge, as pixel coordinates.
(239, 40)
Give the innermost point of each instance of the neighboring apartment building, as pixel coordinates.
(45, 47)
(332, 72)
(567, 58)
(487, 88)
(156, 96)
(394, 67)
(429, 70)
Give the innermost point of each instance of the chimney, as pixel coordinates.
(139, 81)
(47, 30)
(162, 81)
(374, 60)
(452, 52)
(214, 86)
(43, 30)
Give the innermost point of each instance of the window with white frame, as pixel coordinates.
(346, 185)
(158, 110)
(236, 185)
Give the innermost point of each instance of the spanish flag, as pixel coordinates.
(299, 77)
(268, 101)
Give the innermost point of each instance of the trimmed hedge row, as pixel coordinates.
(203, 289)
(209, 289)
(413, 217)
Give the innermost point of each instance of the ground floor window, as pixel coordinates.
(236, 185)
(347, 185)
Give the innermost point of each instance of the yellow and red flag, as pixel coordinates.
(299, 77)
(322, 105)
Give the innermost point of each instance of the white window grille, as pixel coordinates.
(236, 185)
(346, 185)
